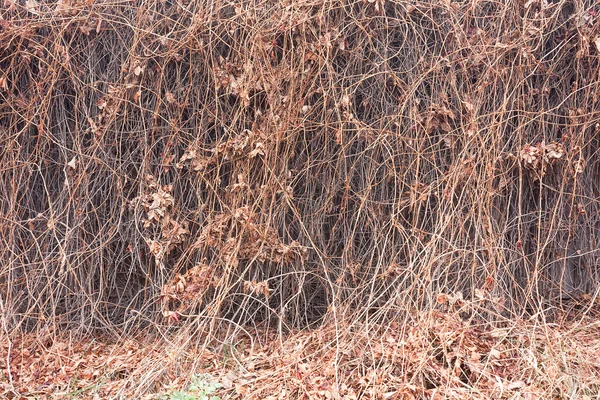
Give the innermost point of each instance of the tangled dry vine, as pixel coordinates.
(289, 164)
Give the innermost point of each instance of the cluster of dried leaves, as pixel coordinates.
(432, 355)
(239, 237)
(51, 365)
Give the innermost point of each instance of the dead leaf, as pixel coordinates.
(32, 6)
(258, 288)
(529, 3)
(73, 163)
(494, 353)
(442, 298)
(515, 385)
(170, 97)
(138, 70)
(258, 150)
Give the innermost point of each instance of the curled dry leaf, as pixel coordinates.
(170, 97)
(536, 158)
(73, 163)
(515, 385)
(138, 70)
(155, 247)
(442, 298)
(32, 6)
(494, 353)
(258, 288)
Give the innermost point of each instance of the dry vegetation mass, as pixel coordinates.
(306, 199)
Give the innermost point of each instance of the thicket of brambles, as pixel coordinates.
(287, 163)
